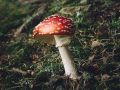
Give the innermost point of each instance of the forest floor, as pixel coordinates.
(26, 64)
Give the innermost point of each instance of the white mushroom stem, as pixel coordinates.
(68, 62)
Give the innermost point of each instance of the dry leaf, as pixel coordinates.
(96, 44)
(105, 77)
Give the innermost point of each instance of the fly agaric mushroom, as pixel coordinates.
(60, 29)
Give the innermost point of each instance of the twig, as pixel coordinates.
(15, 70)
(11, 88)
(38, 15)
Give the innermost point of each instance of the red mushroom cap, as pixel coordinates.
(55, 25)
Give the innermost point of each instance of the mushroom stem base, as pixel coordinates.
(68, 62)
